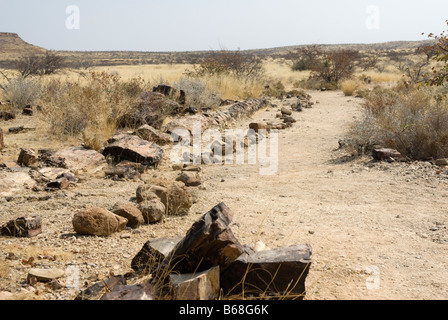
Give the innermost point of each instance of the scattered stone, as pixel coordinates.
(380, 154)
(6, 115)
(130, 212)
(22, 227)
(179, 200)
(149, 192)
(16, 130)
(28, 111)
(150, 257)
(209, 243)
(134, 149)
(280, 272)
(286, 112)
(148, 133)
(190, 179)
(192, 109)
(15, 182)
(258, 126)
(289, 119)
(95, 291)
(153, 210)
(196, 286)
(172, 93)
(442, 162)
(98, 222)
(126, 170)
(138, 292)
(27, 157)
(44, 275)
(78, 159)
(58, 184)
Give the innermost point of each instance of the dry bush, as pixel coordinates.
(410, 119)
(350, 87)
(91, 106)
(198, 94)
(20, 92)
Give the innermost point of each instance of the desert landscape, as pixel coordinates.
(353, 206)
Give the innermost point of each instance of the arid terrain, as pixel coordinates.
(369, 223)
(378, 229)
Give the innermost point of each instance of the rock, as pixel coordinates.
(28, 111)
(380, 153)
(16, 130)
(149, 192)
(55, 173)
(190, 179)
(95, 291)
(289, 119)
(192, 109)
(44, 275)
(153, 210)
(138, 292)
(179, 200)
(173, 93)
(148, 133)
(286, 112)
(22, 227)
(98, 222)
(5, 295)
(150, 257)
(78, 159)
(6, 115)
(258, 126)
(16, 182)
(442, 162)
(280, 272)
(126, 170)
(134, 149)
(209, 243)
(27, 157)
(58, 184)
(130, 212)
(196, 286)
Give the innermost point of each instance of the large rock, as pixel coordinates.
(22, 227)
(13, 183)
(148, 133)
(196, 286)
(149, 192)
(280, 273)
(134, 149)
(190, 179)
(209, 243)
(98, 222)
(27, 157)
(153, 210)
(78, 159)
(130, 212)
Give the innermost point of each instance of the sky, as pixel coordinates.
(191, 25)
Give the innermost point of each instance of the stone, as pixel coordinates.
(134, 149)
(45, 275)
(209, 243)
(98, 222)
(22, 227)
(58, 184)
(150, 257)
(137, 292)
(16, 130)
(153, 210)
(173, 93)
(130, 212)
(192, 109)
(148, 133)
(28, 111)
(190, 179)
(51, 174)
(380, 153)
(149, 192)
(126, 170)
(286, 112)
(289, 119)
(6, 115)
(442, 162)
(258, 126)
(27, 157)
(97, 290)
(279, 273)
(78, 159)
(179, 200)
(196, 286)
(15, 182)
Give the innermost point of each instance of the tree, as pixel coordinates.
(439, 75)
(334, 65)
(39, 65)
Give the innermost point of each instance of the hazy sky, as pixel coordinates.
(175, 25)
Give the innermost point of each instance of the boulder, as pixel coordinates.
(98, 222)
(22, 227)
(153, 210)
(190, 179)
(15, 182)
(179, 200)
(286, 112)
(27, 157)
(130, 212)
(149, 192)
(134, 149)
(150, 257)
(78, 159)
(148, 133)
(209, 243)
(196, 286)
(278, 273)
(44, 275)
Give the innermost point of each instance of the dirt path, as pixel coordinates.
(378, 230)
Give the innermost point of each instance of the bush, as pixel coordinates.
(405, 118)
(350, 87)
(20, 92)
(197, 93)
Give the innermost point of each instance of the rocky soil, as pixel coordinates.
(378, 229)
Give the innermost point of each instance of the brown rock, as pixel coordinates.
(58, 184)
(196, 286)
(130, 212)
(45, 275)
(2, 142)
(286, 112)
(138, 292)
(380, 154)
(190, 179)
(22, 227)
(27, 157)
(151, 134)
(78, 159)
(134, 149)
(280, 272)
(179, 200)
(149, 192)
(98, 222)
(442, 162)
(209, 243)
(153, 210)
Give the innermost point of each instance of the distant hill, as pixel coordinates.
(12, 47)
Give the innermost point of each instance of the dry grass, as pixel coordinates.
(350, 87)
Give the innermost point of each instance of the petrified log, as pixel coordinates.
(22, 227)
(280, 273)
